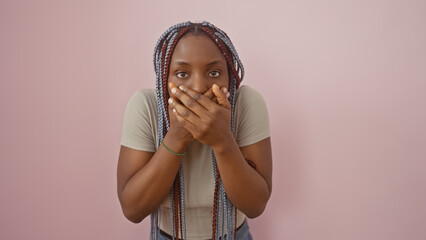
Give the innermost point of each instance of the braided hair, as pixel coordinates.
(222, 206)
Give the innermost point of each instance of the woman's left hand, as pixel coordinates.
(207, 121)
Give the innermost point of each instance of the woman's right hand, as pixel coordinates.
(177, 131)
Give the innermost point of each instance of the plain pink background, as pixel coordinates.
(344, 81)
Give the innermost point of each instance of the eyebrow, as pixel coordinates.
(182, 63)
(186, 64)
(214, 62)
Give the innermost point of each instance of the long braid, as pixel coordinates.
(160, 52)
(176, 199)
(178, 203)
(215, 201)
(163, 51)
(224, 210)
(234, 82)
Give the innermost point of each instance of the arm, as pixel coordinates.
(248, 188)
(144, 179)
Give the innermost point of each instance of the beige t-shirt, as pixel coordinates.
(140, 133)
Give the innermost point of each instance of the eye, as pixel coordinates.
(181, 74)
(214, 74)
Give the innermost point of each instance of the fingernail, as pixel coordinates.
(228, 94)
(174, 90)
(182, 88)
(174, 110)
(170, 100)
(215, 86)
(225, 90)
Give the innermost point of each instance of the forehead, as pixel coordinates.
(197, 48)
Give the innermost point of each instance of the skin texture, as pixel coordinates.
(199, 111)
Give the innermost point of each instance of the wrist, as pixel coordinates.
(226, 144)
(175, 143)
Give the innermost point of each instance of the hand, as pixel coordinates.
(207, 121)
(177, 130)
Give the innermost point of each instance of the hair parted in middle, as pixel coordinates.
(163, 51)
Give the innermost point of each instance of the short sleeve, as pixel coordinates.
(251, 117)
(139, 123)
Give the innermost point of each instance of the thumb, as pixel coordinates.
(222, 99)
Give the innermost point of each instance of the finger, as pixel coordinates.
(215, 100)
(172, 116)
(184, 112)
(206, 102)
(186, 124)
(226, 92)
(172, 85)
(196, 102)
(209, 93)
(187, 100)
(222, 99)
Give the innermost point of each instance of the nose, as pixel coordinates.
(199, 83)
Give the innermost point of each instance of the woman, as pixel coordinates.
(196, 151)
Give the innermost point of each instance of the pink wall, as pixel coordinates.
(345, 83)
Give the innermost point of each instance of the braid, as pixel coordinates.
(222, 206)
(224, 37)
(215, 205)
(163, 49)
(234, 83)
(225, 51)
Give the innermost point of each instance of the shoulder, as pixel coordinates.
(140, 119)
(144, 95)
(247, 95)
(245, 92)
(251, 116)
(143, 98)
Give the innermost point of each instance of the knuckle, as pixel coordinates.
(179, 118)
(185, 113)
(190, 103)
(196, 96)
(185, 123)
